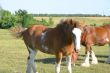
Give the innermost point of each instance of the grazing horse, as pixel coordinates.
(94, 36)
(59, 41)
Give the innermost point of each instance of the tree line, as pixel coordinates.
(24, 19)
(70, 15)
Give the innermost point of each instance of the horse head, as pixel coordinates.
(77, 30)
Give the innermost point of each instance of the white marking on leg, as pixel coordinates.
(86, 62)
(107, 39)
(57, 68)
(68, 59)
(94, 59)
(31, 61)
(77, 33)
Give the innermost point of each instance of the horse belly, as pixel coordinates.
(47, 50)
(102, 42)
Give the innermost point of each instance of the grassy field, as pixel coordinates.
(13, 57)
(85, 20)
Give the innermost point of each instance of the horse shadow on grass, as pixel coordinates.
(98, 56)
(46, 60)
(102, 56)
(52, 60)
(49, 60)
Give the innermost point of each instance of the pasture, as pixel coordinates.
(84, 20)
(13, 54)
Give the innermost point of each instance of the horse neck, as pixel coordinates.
(66, 34)
(90, 31)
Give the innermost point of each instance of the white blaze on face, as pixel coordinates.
(77, 33)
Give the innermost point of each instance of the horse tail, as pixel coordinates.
(17, 31)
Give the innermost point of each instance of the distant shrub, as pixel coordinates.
(28, 21)
(51, 22)
(6, 20)
(45, 22)
(107, 23)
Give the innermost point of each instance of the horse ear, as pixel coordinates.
(69, 21)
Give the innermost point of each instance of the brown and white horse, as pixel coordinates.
(59, 41)
(94, 36)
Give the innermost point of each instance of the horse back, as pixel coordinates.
(29, 35)
(95, 36)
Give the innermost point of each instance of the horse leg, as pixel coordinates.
(94, 59)
(74, 58)
(68, 59)
(108, 59)
(31, 64)
(58, 62)
(86, 61)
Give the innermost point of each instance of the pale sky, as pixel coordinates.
(58, 6)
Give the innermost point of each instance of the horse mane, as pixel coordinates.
(67, 26)
(71, 22)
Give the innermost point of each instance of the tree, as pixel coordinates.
(28, 20)
(24, 18)
(20, 14)
(5, 19)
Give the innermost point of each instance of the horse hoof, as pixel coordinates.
(85, 65)
(94, 62)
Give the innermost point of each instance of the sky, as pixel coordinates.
(58, 6)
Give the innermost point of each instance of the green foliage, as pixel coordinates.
(106, 23)
(21, 18)
(51, 22)
(20, 14)
(28, 21)
(45, 22)
(6, 19)
(25, 19)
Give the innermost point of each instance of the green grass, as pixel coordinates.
(13, 58)
(85, 20)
